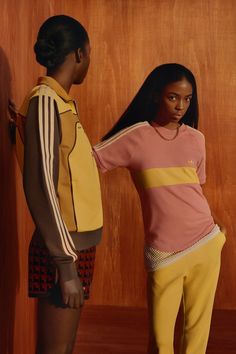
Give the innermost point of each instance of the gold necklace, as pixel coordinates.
(175, 136)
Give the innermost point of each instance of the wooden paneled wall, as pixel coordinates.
(128, 38)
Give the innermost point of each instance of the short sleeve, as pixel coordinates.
(118, 151)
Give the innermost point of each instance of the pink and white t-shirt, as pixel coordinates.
(168, 175)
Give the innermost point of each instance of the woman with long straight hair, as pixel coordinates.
(157, 140)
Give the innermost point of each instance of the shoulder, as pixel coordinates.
(44, 93)
(135, 131)
(41, 95)
(35, 96)
(195, 133)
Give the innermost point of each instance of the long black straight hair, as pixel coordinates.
(144, 105)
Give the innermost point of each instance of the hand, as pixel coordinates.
(223, 229)
(219, 223)
(12, 110)
(12, 120)
(72, 293)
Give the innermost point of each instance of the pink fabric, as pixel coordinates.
(175, 216)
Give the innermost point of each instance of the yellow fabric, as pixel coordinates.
(49, 81)
(64, 185)
(61, 104)
(158, 177)
(84, 183)
(194, 277)
(78, 189)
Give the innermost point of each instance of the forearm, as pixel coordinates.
(215, 215)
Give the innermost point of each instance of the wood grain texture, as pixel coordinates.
(128, 39)
(18, 73)
(123, 330)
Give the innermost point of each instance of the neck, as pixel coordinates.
(170, 125)
(63, 78)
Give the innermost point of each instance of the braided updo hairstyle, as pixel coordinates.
(58, 36)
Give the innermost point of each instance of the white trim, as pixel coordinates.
(120, 134)
(46, 143)
(173, 257)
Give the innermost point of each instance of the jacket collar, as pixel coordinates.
(49, 81)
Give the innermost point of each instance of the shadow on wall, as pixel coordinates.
(9, 251)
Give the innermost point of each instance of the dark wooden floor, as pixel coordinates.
(123, 330)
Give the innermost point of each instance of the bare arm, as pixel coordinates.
(215, 216)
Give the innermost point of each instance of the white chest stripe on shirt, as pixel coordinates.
(46, 133)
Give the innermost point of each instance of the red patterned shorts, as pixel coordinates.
(43, 274)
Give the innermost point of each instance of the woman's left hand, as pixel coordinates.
(12, 110)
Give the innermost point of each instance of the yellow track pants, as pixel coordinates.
(192, 278)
